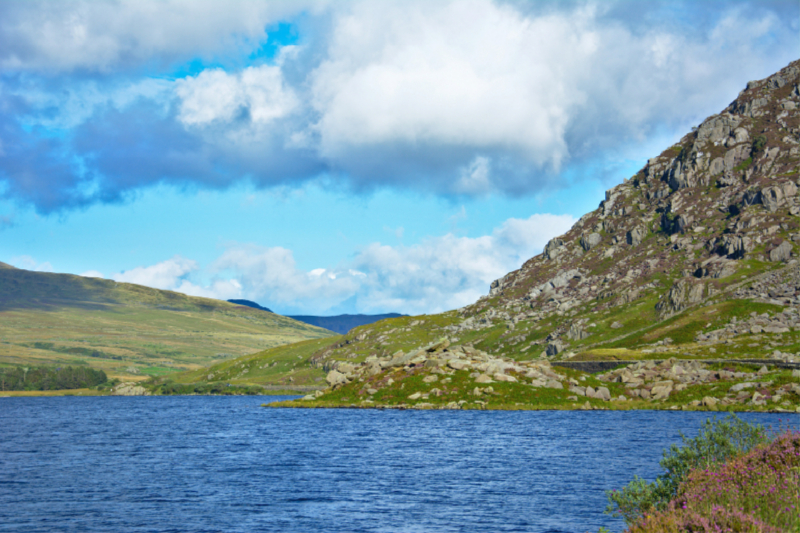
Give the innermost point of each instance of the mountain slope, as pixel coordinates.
(692, 258)
(127, 329)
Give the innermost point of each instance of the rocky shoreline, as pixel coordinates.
(445, 376)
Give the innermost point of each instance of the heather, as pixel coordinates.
(758, 491)
(717, 442)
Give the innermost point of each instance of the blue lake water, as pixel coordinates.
(208, 464)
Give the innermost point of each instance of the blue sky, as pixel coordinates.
(326, 157)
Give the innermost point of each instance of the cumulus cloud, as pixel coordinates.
(164, 275)
(111, 35)
(465, 97)
(437, 274)
(215, 95)
(271, 274)
(92, 274)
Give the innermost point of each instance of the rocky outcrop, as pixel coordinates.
(553, 248)
(129, 389)
(682, 295)
(658, 381)
(782, 252)
(636, 235)
(735, 246)
(590, 241)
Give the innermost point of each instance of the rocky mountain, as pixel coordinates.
(688, 264)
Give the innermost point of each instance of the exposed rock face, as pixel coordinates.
(590, 241)
(553, 248)
(671, 223)
(636, 235)
(782, 252)
(576, 332)
(735, 246)
(680, 296)
(554, 348)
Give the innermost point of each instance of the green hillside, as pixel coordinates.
(689, 267)
(128, 330)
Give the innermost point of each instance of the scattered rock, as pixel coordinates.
(590, 241)
(335, 378)
(782, 252)
(129, 389)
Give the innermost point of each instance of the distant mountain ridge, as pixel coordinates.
(343, 323)
(339, 323)
(250, 303)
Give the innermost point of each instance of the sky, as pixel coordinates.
(324, 157)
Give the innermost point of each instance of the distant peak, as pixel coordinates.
(249, 303)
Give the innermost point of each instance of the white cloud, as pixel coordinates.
(447, 272)
(464, 97)
(469, 73)
(27, 262)
(474, 179)
(477, 95)
(164, 275)
(214, 95)
(108, 35)
(92, 274)
(437, 274)
(271, 274)
(220, 289)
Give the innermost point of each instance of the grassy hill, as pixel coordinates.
(128, 330)
(688, 269)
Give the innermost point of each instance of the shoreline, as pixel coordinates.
(294, 404)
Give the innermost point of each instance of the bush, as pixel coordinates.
(758, 491)
(759, 143)
(39, 378)
(718, 441)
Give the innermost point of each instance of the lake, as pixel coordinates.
(223, 463)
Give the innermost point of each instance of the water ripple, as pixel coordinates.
(212, 464)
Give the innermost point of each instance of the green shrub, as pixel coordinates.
(718, 441)
(759, 143)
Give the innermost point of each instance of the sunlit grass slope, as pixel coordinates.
(128, 330)
(288, 365)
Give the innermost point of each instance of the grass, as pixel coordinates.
(70, 392)
(393, 388)
(282, 365)
(58, 319)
